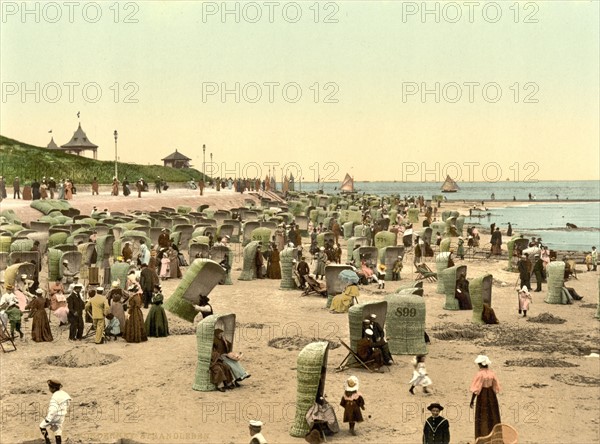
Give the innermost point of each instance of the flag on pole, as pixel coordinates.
(78, 113)
(50, 131)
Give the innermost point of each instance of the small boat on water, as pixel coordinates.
(450, 186)
(347, 184)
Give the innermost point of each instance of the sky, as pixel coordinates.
(406, 91)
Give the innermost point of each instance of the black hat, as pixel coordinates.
(435, 405)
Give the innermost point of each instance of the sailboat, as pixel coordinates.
(347, 184)
(449, 186)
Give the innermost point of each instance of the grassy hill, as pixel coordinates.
(29, 162)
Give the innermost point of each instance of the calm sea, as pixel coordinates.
(540, 220)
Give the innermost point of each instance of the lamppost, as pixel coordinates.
(116, 159)
(204, 163)
(211, 166)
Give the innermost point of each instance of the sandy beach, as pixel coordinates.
(143, 392)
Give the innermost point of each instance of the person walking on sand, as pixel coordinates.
(420, 376)
(484, 387)
(352, 402)
(57, 412)
(16, 188)
(524, 300)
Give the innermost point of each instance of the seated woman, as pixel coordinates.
(220, 373)
(229, 358)
(462, 293)
(342, 302)
(368, 272)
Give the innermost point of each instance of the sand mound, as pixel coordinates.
(80, 357)
(537, 362)
(588, 306)
(458, 333)
(547, 318)
(579, 380)
(297, 342)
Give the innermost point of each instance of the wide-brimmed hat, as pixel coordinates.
(483, 360)
(10, 287)
(39, 291)
(351, 384)
(114, 284)
(435, 405)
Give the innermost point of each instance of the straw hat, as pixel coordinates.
(39, 291)
(9, 287)
(483, 360)
(114, 284)
(351, 384)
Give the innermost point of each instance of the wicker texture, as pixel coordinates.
(449, 276)
(249, 269)
(104, 249)
(556, 281)
(356, 315)
(441, 263)
(205, 333)
(406, 323)
(445, 245)
(480, 289)
(348, 228)
(199, 279)
(57, 239)
(362, 231)
(387, 257)
(119, 271)
(21, 245)
(350, 215)
(413, 215)
(310, 364)
(385, 239)
(286, 259)
(262, 234)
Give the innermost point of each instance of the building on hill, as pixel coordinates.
(79, 143)
(52, 145)
(176, 160)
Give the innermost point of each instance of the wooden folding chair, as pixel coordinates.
(352, 354)
(425, 273)
(500, 434)
(5, 337)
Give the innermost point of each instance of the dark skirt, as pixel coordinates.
(487, 412)
(352, 409)
(40, 327)
(135, 330)
(157, 325)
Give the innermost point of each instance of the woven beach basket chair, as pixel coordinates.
(236, 229)
(200, 278)
(348, 229)
(3, 261)
(286, 258)
(449, 276)
(445, 245)
(355, 242)
(556, 282)
(14, 272)
(311, 371)
(225, 230)
(333, 282)
(247, 230)
(185, 236)
(481, 293)
(248, 268)
(39, 225)
(57, 239)
(199, 248)
(362, 231)
(21, 245)
(262, 234)
(385, 239)
(388, 256)
(405, 321)
(104, 249)
(369, 254)
(500, 434)
(358, 313)
(217, 254)
(205, 333)
(441, 263)
(5, 241)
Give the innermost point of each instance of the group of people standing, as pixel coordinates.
(47, 188)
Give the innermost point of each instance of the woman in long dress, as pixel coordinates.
(231, 359)
(274, 271)
(40, 327)
(157, 325)
(524, 300)
(68, 190)
(321, 257)
(135, 330)
(484, 387)
(342, 302)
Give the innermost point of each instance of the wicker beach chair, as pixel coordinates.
(247, 230)
(387, 256)
(311, 376)
(217, 254)
(356, 315)
(556, 282)
(500, 434)
(249, 268)
(333, 282)
(481, 293)
(405, 321)
(205, 334)
(199, 279)
(450, 276)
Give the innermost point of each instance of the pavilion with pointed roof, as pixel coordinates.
(176, 160)
(52, 145)
(78, 143)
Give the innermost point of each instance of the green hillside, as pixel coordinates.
(29, 162)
